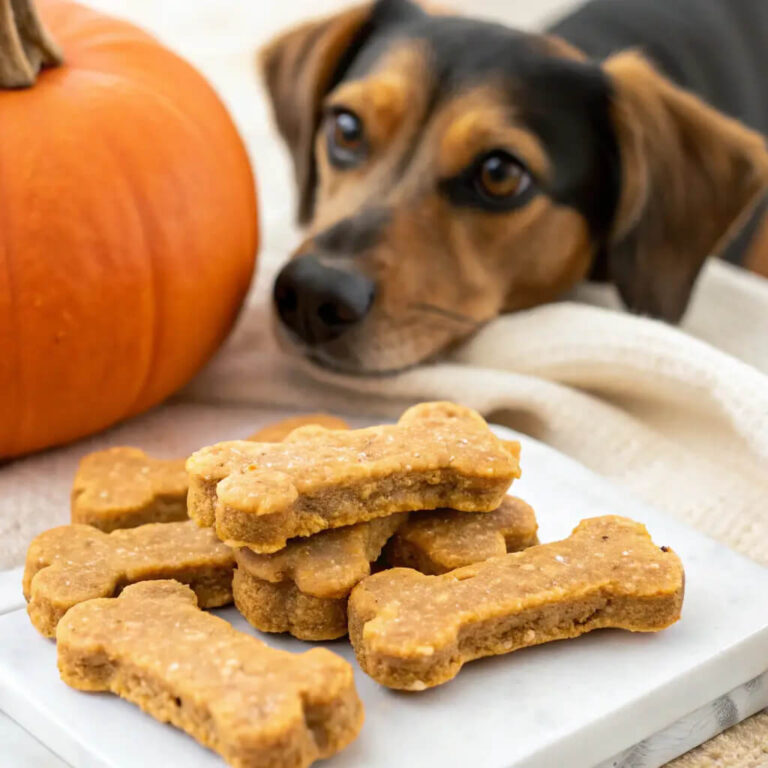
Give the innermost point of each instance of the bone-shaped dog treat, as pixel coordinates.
(439, 541)
(412, 631)
(123, 488)
(74, 563)
(438, 455)
(256, 706)
(303, 589)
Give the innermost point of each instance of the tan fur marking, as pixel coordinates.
(757, 255)
(479, 121)
(391, 102)
(563, 48)
(395, 89)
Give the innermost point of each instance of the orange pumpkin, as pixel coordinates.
(128, 223)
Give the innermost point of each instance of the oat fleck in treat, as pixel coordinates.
(439, 541)
(412, 631)
(256, 706)
(74, 563)
(123, 488)
(277, 432)
(303, 589)
(261, 494)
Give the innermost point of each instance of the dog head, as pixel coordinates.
(450, 170)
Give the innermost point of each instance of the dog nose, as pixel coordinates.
(319, 303)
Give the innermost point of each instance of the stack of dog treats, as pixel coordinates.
(290, 524)
(308, 517)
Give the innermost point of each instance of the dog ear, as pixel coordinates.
(301, 66)
(690, 176)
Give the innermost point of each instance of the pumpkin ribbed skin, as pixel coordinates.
(128, 231)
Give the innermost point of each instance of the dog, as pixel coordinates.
(450, 170)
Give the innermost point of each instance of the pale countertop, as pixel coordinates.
(22, 750)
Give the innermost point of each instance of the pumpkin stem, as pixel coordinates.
(25, 46)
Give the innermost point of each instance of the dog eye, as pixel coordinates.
(345, 138)
(501, 176)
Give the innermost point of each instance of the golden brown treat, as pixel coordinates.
(74, 563)
(439, 541)
(303, 589)
(412, 631)
(261, 494)
(513, 446)
(275, 433)
(123, 488)
(281, 607)
(256, 706)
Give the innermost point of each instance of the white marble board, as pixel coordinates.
(575, 703)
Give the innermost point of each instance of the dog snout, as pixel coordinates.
(319, 303)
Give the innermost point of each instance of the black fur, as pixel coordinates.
(716, 48)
